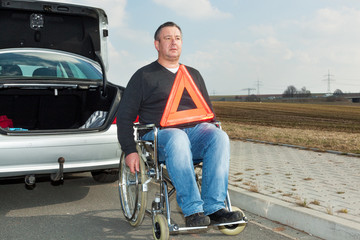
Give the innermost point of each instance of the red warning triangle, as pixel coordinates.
(171, 116)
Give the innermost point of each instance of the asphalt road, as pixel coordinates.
(84, 209)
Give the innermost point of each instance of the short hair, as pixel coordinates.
(167, 24)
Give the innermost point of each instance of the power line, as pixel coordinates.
(249, 89)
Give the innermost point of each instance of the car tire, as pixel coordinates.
(105, 176)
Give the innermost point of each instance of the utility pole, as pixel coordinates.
(328, 80)
(258, 84)
(249, 89)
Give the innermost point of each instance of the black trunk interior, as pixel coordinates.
(44, 109)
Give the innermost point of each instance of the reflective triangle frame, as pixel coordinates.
(171, 116)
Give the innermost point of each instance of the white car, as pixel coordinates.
(57, 109)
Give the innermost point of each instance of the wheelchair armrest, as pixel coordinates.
(148, 126)
(140, 129)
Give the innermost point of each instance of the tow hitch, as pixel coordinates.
(30, 182)
(58, 177)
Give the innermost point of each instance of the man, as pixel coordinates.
(146, 96)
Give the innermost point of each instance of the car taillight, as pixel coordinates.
(136, 121)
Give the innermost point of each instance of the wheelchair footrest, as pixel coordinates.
(189, 228)
(176, 228)
(243, 221)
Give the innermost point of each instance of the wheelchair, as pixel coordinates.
(133, 190)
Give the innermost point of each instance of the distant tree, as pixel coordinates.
(290, 92)
(304, 92)
(338, 93)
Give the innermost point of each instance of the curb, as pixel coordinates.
(313, 222)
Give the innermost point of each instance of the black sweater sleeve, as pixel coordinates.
(127, 113)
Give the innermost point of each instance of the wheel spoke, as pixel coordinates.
(132, 198)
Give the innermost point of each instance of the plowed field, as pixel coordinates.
(327, 127)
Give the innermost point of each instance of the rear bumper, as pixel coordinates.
(24, 155)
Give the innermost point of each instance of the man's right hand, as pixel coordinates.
(133, 161)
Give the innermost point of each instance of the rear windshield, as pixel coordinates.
(46, 65)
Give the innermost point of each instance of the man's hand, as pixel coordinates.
(132, 161)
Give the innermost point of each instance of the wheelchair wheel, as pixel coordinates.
(160, 228)
(235, 228)
(132, 197)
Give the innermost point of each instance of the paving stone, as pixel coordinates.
(293, 175)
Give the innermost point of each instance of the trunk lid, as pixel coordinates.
(38, 24)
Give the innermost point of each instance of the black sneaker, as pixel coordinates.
(224, 216)
(197, 220)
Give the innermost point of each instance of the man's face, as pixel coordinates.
(169, 44)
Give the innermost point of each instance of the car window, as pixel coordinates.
(46, 65)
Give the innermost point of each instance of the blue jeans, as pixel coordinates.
(179, 148)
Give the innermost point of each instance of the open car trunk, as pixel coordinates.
(56, 105)
(49, 109)
(53, 61)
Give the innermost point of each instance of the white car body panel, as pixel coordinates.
(22, 155)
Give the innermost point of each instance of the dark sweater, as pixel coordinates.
(146, 96)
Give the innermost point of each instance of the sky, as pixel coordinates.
(243, 47)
